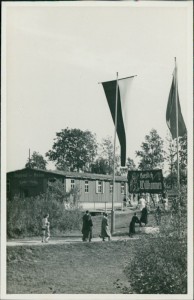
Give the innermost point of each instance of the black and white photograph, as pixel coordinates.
(97, 150)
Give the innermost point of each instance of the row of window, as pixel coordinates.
(99, 186)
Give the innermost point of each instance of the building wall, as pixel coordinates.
(92, 195)
(27, 183)
(31, 182)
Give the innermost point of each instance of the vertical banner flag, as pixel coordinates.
(123, 100)
(171, 111)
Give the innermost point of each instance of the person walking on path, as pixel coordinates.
(45, 229)
(144, 216)
(87, 226)
(134, 220)
(105, 232)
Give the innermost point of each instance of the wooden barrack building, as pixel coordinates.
(95, 190)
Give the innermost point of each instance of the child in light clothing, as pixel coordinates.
(45, 229)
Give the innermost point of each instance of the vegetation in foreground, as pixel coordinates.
(24, 215)
(148, 265)
(133, 266)
(90, 268)
(159, 267)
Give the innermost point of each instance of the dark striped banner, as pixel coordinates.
(123, 97)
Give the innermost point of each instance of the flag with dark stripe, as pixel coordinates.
(122, 103)
(171, 111)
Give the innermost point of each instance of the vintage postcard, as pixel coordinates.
(97, 150)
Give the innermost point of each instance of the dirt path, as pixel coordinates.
(78, 239)
(68, 240)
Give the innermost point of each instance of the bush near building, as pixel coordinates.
(24, 215)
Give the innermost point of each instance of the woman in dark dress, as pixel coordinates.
(87, 227)
(144, 216)
(105, 232)
(134, 220)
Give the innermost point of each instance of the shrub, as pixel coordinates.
(160, 264)
(24, 215)
(160, 267)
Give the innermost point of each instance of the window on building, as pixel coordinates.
(99, 186)
(72, 184)
(122, 188)
(111, 187)
(86, 186)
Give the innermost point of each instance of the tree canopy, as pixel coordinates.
(152, 153)
(36, 161)
(104, 162)
(130, 164)
(171, 158)
(73, 150)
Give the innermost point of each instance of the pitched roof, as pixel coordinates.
(80, 175)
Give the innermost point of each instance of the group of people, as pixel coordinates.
(88, 224)
(143, 219)
(144, 214)
(86, 228)
(105, 232)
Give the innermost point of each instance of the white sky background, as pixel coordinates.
(55, 57)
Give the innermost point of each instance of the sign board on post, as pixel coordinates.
(150, 181)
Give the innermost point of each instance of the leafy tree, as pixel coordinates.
(57, 191)
(36, 161)
(183, 152)
(104, 162)
(100, 166)
(73, 149)
(130, 164)
(152, 153)
(171, 158)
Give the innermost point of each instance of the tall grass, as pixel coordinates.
(24, 215)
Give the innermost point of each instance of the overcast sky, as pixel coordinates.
(56, 55)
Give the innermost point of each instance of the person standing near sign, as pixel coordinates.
(165, 201)
(134, 220)
(142, 203)
(144, 216)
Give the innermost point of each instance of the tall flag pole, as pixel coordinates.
(174, 118)
(177, 130)
(29, 159)
(118, 93)
(115, 131)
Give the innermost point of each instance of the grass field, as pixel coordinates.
(74, 268)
